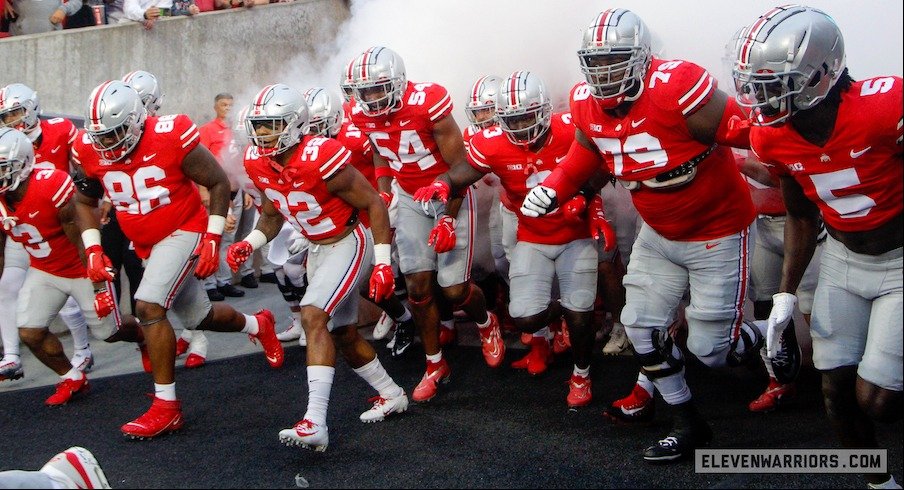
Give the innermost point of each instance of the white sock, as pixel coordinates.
(543, 332)
(12, 357)
(767, 363)
(582, 372)
(404, 317)
(644, 382)
(435, 358)
(187, 335)
(198, 344)
(377, 377)
(73, 374)
(78, 326)
(11, 279)
(673, 388)
(250, 325)
(320, 382)
(86, 352)
(165, 392)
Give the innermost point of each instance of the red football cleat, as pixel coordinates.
(266, 334)
(492, 343)
(437, 373)
(447, 336)
(163, 416)
(579, 393)
(638, 406)
(65, 389)
(194, 361)
(182, 346)
(145, 358)
(537, 360)
(776, 395)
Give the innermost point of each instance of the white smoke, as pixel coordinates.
(453, 42)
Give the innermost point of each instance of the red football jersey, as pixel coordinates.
(653, 138)
(57, 137)
(152, 196)
(362, 152)
(519, 170)
(38, 226)
(466, 135)
(767, 199)
(856, 177)
(404, 137)
(304, 200)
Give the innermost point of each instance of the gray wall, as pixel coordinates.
(194, 58)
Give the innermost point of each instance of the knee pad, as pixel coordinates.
(289, 292)
(708, 340)
(664, 360)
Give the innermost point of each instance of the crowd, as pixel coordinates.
(19, 17)
(658, 204)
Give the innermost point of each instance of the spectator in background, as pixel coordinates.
(148, 11)
(216, 135)
(36, 16)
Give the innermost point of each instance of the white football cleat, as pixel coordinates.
(306, 434)
(383, 407)
(76, 467)
(383, 326)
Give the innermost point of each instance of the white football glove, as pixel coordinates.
(782, 309)
(539, 201)
(297, 243)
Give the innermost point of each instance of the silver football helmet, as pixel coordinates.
(115, 119)
(283, 113)
(378, 80)
(346, 79)
(17, 157)
(19, 109)
(481, 106)
(523, 108)
(325, 109)
(615, 55)
(239, 136)
(787, 61)
(147, 86)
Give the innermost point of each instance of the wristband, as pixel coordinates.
(216, 224)
(382, 253)
(91, 237)
(257, 239)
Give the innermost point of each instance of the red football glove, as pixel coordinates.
(599, 225)
(574, 208)
(387, 198)
(442, 238)
(437, 189)
(382, 283)
(100, 269)
(104, 304)
(208, 254)
(237, 254)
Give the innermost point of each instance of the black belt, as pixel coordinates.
(686, 167)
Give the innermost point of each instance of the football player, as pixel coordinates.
(37, 211)
(659, 127)
(308, 180)
(411, 126)
(521, 151)
(52, 140)
(149, 168)
(835, 145)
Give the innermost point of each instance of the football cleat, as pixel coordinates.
(383, 326)
(384, 406)
(294, 332)
(306, 434)
(437, 373)
(776, 395)
(65, 389)
(618, 341)
(163, 416)
(447, 336)
(145, 358)
(561, 340)
(182, 346)
(10, 370)
(194, 361)
(538, 359)
(83, 361)
(491, 341)
(687, 434)
(638, 406)
(76, 467)
(579, 393)
(266, 334)
(403, 338)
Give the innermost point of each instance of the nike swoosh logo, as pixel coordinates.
(712, 245)
(272, 359)
(32, 215)
(297, 185)
(148, 157)
(55, 149)
(405, 122)
(858, 154)
(559, 159)
(634, 124)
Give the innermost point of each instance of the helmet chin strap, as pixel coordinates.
(34, 133)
